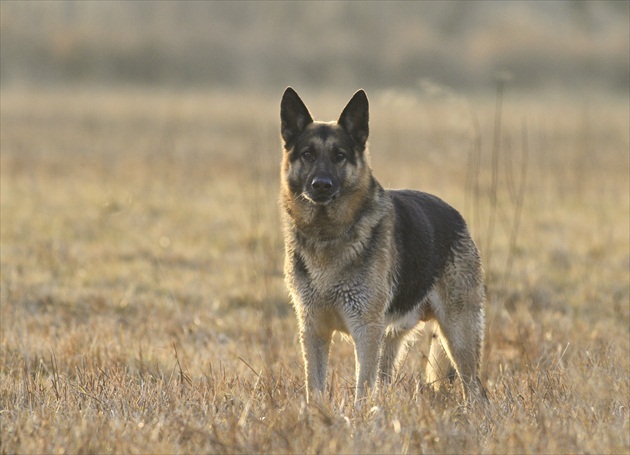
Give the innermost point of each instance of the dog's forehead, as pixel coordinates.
(324, 134)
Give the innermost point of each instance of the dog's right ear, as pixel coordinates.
(354, 118)
(294, 117)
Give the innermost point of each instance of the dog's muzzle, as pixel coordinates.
(322, 190)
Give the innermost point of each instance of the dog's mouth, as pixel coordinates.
(320, 199)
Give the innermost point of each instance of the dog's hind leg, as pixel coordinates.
(461, 335)
(465, 356)
(438, 365)
(461, 319)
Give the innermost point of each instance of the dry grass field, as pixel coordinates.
(142, 303)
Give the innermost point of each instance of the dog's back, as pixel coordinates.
(426, 230)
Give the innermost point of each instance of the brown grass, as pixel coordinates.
(142, 303)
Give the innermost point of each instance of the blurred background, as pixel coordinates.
(461, 45)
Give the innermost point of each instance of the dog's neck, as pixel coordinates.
(337, 222)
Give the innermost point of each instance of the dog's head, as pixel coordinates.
(323, 160)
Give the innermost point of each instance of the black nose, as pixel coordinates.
(322, 184)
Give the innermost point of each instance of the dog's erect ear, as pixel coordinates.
(354, 118)
(294, 117)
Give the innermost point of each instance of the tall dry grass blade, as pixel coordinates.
(494, 182)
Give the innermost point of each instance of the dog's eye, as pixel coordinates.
(340, 157)
(307, 155)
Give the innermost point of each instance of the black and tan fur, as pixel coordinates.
(370, 262)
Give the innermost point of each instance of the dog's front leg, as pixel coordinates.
(315, 343)
(368, 344)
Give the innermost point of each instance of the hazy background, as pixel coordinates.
(567, 45)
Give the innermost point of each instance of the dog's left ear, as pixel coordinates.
(294, 117)
(354, 118)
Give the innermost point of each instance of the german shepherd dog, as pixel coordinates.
(370, 262)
